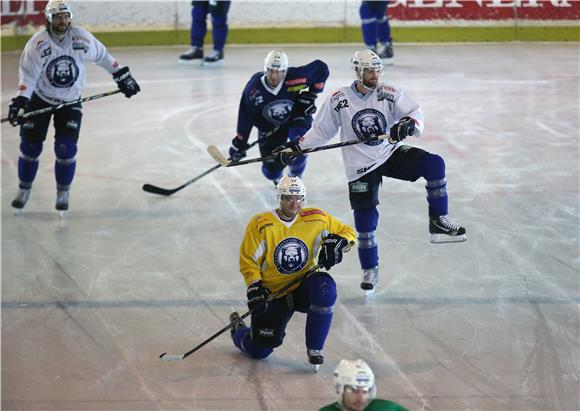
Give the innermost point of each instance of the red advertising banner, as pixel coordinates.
(22, 12)
(425, 10)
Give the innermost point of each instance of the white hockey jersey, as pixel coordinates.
(361, 117)
(56, 70)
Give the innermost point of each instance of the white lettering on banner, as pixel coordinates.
(421, 3)
(480, 3)
(560, 3)
(26, 7)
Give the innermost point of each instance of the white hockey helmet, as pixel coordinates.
(356, 374)
(291, 186)
(276, 60)
(365, 59)
(57, 6)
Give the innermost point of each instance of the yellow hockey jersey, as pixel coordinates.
(276, 251)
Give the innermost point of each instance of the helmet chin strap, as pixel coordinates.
(362, 83)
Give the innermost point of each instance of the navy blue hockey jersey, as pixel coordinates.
(265, 109)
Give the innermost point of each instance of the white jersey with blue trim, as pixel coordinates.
(362, 116)
(56, 69)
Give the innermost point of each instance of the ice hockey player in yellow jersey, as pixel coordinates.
(278, 246)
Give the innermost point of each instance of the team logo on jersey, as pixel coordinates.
(62, 72)
(290, 255)
(278, 111)
(369, 123)
(255, 97)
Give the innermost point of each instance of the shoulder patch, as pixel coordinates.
(385, 92)
(312, 211)
(293, 82)
(336, 95)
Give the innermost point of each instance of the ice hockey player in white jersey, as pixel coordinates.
(365, 110)
(52, 71)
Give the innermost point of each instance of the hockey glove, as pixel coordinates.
(18, 103)
(304, 105)
(238, 149)
(405, 127)
(257, 295)
(331, 251)
(126, 82)
(285, 157)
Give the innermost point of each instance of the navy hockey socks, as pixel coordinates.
(322, 293)
(219, 31)
(368, 26)
(28, 162)
(365, 222)
(243, 341)
(198, 25)
(65, 163)
(436, 186)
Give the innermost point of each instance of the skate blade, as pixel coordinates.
(444, 238)
(369, 293)
(218, 63)
(315, 367)
(194, 62)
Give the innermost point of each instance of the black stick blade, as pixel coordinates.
(157, 190)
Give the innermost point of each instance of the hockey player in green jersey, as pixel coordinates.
(356, 389)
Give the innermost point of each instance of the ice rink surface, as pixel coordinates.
(89, 301)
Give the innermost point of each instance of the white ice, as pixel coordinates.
(89, 301)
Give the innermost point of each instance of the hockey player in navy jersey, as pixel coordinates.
(53, 71)
(279, 96)
(278, 246)
(365, 110)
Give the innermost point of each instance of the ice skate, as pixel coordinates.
(315, 358)
(443, 230)
(237, 323)
(21, 198)
(216, 58)
(369, 280)
(386, 53)
(194, 55)
(62, 197)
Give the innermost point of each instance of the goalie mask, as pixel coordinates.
(291, 186)
(354, 375)
(56, 6)
(366, 59)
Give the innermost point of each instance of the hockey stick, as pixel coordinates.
(303, 276)
(220, 158)
(179, 357)
(150, 188)
(61, 105)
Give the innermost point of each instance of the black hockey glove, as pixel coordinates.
(286, 157)
(304, 105)
(126, 82)
(18, 103)
(257, 295)
(405, 127)
(238, 149)
(331, 250)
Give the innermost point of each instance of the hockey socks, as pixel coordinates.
(433, 170)
(322, 293)
(243, 341)
(366, 224)
(65, 163)
(28, 162)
